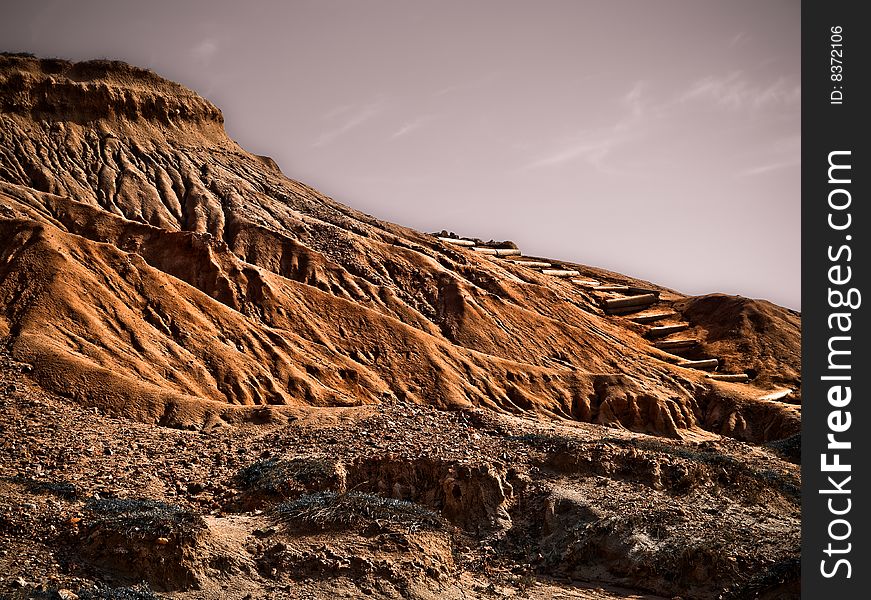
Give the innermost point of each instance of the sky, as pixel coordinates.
(658, 138)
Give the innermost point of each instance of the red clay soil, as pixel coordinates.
(763, 337)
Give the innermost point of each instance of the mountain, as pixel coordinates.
(159, 282)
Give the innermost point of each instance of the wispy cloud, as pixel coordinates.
(412, 125)
(635, 105)
(780, 154)
(594, 146)
(634, 99)
(735, 91)
(738, 39)
(768, 168)
(642, 117)
(353, 117)
(585, 147)
(205, 50)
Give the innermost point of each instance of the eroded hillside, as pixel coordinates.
(156, 264)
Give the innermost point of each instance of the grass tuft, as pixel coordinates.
(144, 519)
(330, 511)
(283, 477)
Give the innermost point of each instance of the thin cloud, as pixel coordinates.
(640, 117)
(780, 154)
(594, 147)
(355, 117)
(634, 100)
(205, 50)
(636, 106)
(735, 92)
(412, 125)
(776, 166)
(590, 150)
(738, 39)
(778, 93)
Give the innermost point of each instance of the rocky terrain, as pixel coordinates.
(219, 383)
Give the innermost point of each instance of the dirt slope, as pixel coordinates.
(155, 263)
(394, 501)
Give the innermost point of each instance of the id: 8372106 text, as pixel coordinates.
(836, 64)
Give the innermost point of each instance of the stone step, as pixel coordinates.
(532, 264)
(560, 272)
(640, 300)
(777, 395)
(497, 251)
(457, 242)
(704, 364)
(734, 377)
(626, 310)
(651, 317)
(664, 330)
(636, 291)
(612, 288)
(586, 282)
(675, 344)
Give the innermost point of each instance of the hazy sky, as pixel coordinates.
(659, 138)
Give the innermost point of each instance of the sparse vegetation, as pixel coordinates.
(59, 488)
(279, 479)
(104, 592)
(789, 448)
(144, 519)
(782, 573)
(329, 510)
(766, 477)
